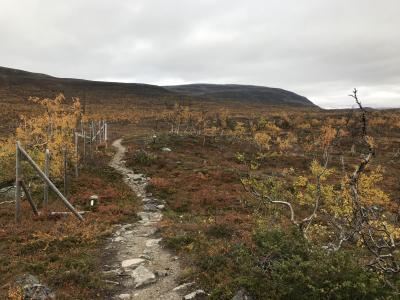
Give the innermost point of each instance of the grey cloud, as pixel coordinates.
(321, 49)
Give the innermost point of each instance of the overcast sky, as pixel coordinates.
(321, 49)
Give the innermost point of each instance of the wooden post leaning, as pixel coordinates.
(19, 153)
(47, 173)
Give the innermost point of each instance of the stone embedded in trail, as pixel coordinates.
(115, 272)
(142, 276)
(144, 256)
(132, 263)
(119, 239)
(135, 177)
(150, 216)
(128, 232)
(124, 297)
(152, 242)
(166, 149)
(196, 295)
(150, 207)
(183, 286)
(162, 273)
(151, 201)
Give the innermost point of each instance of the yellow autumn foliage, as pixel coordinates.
(53, 130)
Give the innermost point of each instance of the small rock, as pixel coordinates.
(150, 207)
(8, 193)
(150, 201)
(196, 295)
(32, 289)
(144, 256)
(147, 251)
(142, 276)
(135, 177)
(124, 296)
(161, 206)
(242, 294)
(183, 286)
(126, 226)
(152, 242)
(166, 149)
(129, 232)
(144, 216)
(132, 263)
(118, 239)
(162, 273)
(150, 216)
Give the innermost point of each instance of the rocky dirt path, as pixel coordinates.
(139, 265)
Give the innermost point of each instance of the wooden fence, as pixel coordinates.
(94, 136)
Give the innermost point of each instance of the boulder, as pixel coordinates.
(32, 289)
(142, 276)
(7, 193)
(242, 294)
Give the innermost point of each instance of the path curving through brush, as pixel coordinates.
(139, 266)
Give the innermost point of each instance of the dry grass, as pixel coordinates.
(63, 252)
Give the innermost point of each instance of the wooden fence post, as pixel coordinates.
(99, 131)
(29, 197)
(84, 147)
(76, 154)
(18, 178)
(47, 173)
(105, 132)
(91, 142)
(65, 171)
(93, 131)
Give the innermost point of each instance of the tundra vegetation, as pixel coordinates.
(284, 203)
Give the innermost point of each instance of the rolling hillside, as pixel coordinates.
(19, 85)
(251, 93)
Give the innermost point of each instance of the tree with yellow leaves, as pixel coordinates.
(332, 211)
(53, 130)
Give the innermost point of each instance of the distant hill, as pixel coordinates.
(20, 85)
(251, 93)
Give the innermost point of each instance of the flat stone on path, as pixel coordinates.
(142, 276)
(132, 263)
(183, 286)
(152, 242)
(196, 295)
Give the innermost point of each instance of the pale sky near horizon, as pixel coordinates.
(319, 49)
